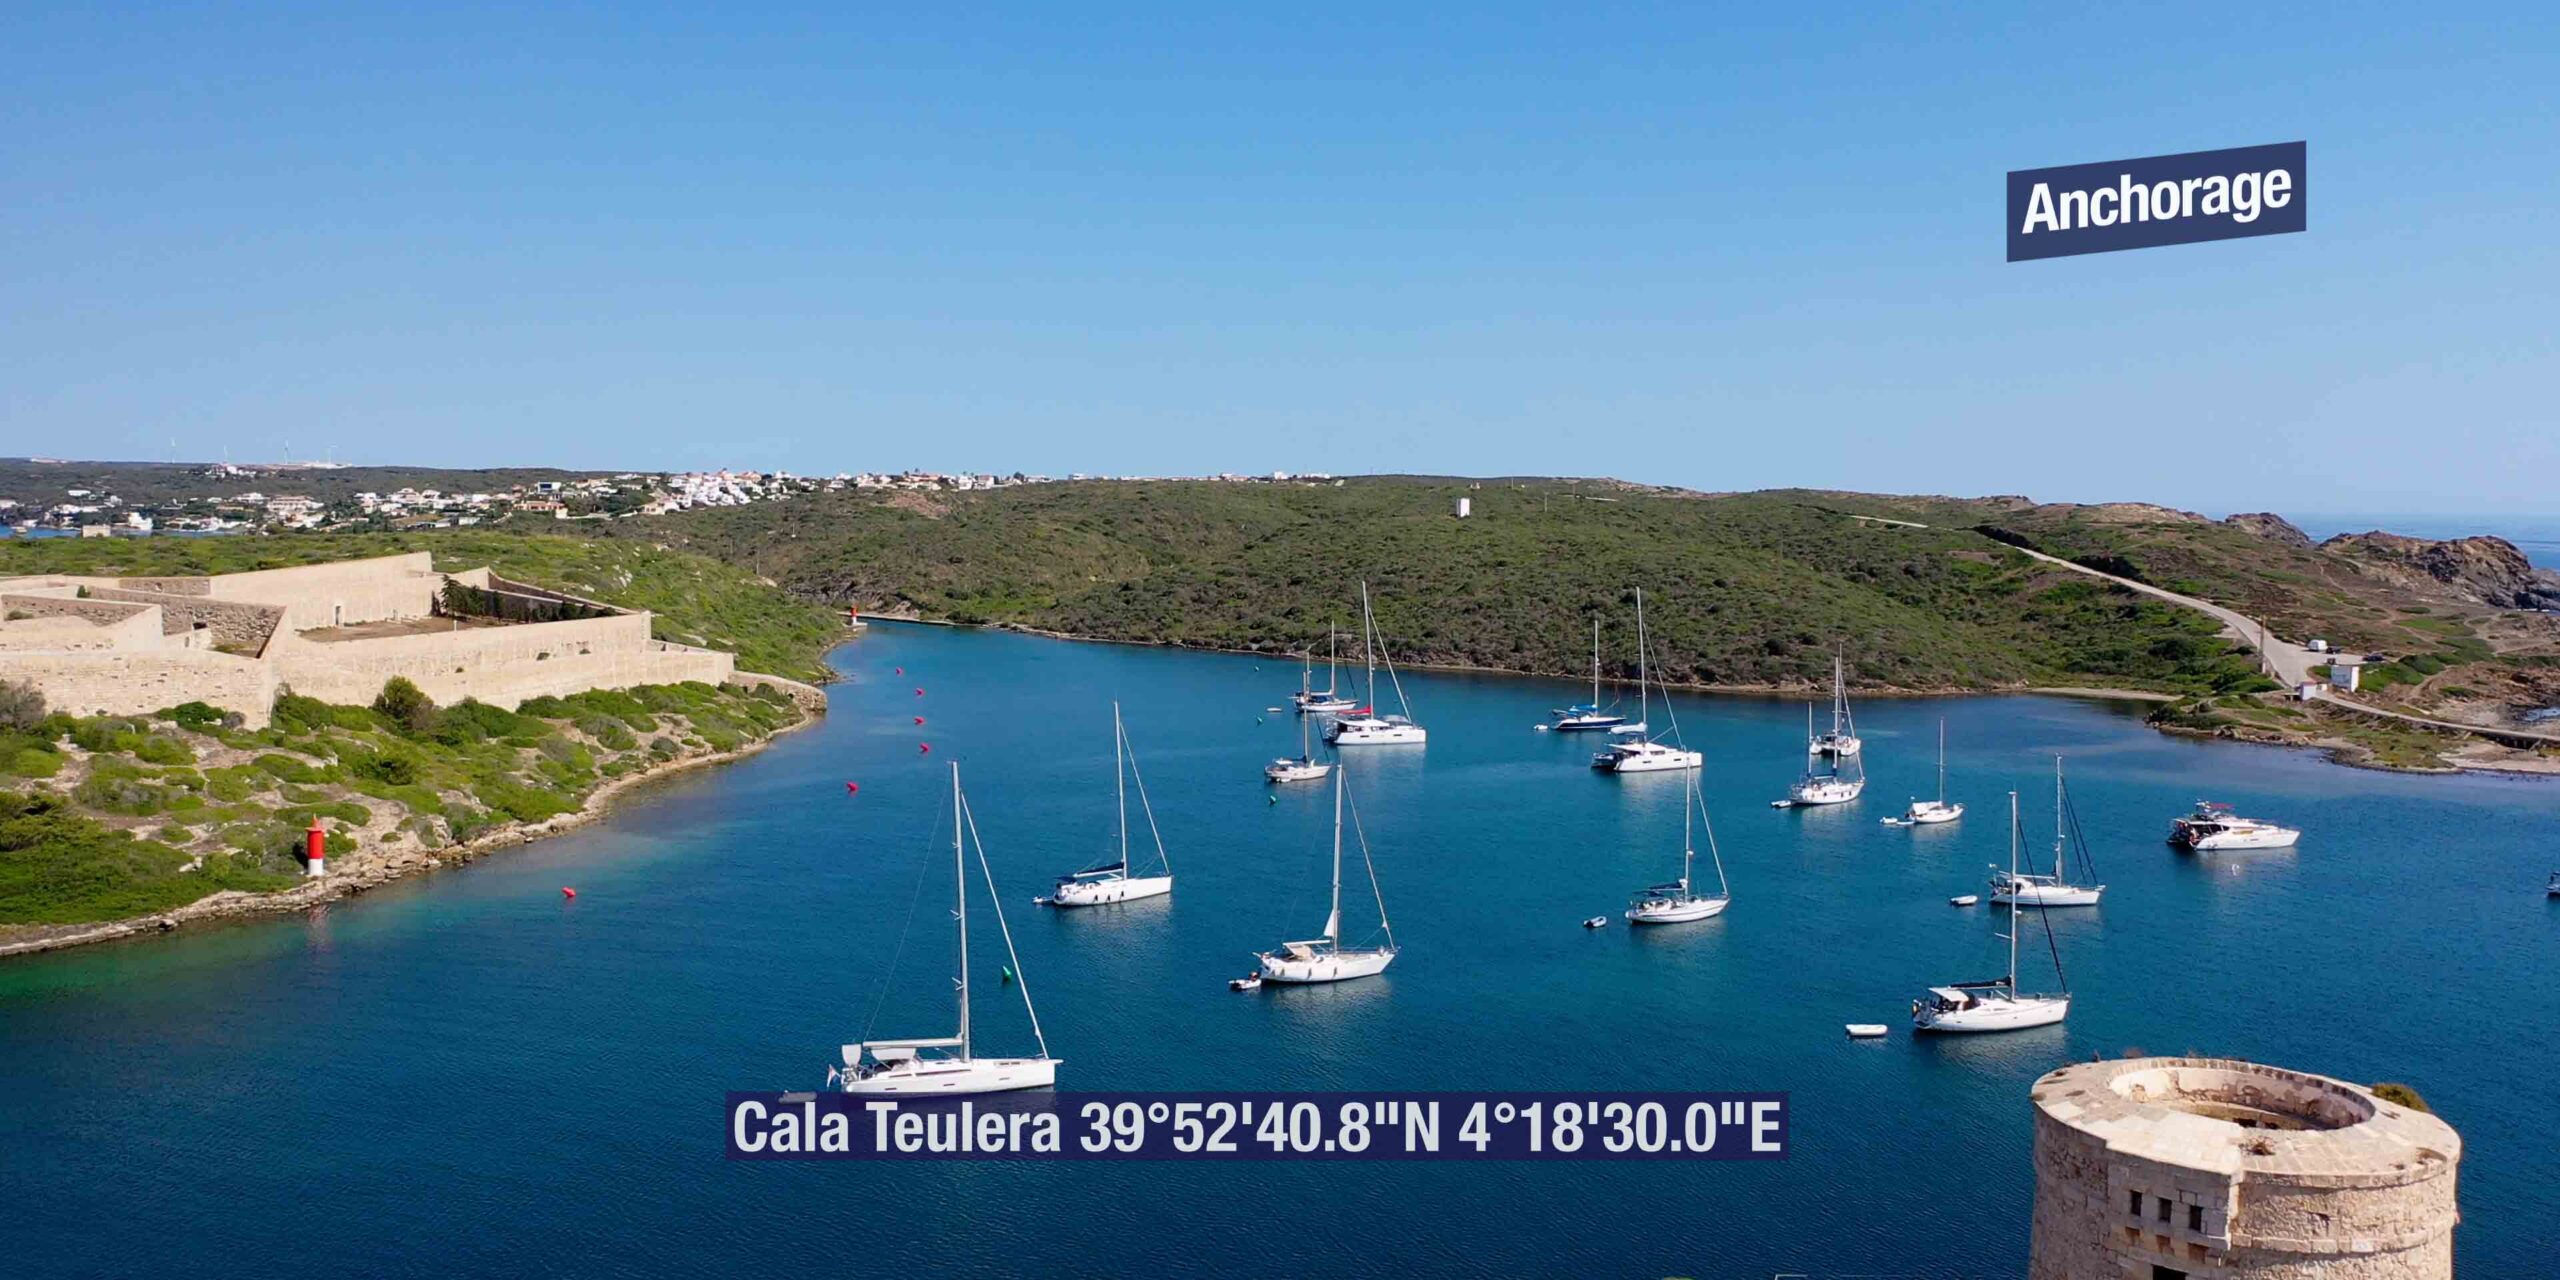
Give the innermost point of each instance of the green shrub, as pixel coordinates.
(201, 715)
(31, 762)
(120, 791)
(287, 769)
(161, 748)
(405, 706)
(21, 706)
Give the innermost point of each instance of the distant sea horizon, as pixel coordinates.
(2538, 537)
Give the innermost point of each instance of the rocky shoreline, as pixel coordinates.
(375, 868)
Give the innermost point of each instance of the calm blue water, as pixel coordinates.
(471, 1075)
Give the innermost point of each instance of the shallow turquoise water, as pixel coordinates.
(471, 1075)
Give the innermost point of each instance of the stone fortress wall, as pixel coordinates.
(129, 646)
(2214, 1168)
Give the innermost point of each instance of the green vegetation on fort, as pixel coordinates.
(105, 818)
(696, 600)
(1741, 590)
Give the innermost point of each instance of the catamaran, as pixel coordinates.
(1632, 747)
(1997, 1005)
(1363, 726)
(2214, 826)
(1923, 813)
(1311, 700)
(1589, 715)
(1304, 767)
(1834, 771)
(916, 1066)
(1674, 903)
(1325, 959)
(1111, 881)
(2054, 890)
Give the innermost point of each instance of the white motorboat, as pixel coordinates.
(1632, 748)
(1304, 767)
(1965, 900)
(1596, 922)
(2057, 889)
(1674, 903)
(1249, 982)
(1832, 774)
(1866, 1030)
(1928, 813)
(1310, 700)
(1112, 882)
(1842, 741)
(945, 1066)
(1363, 726)
(1325, 959)
(2214, 826)
(1585, 716)
(1996, 1005)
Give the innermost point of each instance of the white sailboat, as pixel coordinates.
(1584, 716)
(1325, 959)
(2054, 890)
(1834, 772)
(1314, 701)
(1112, 881)
(945, 1066)
(1842, 741)
(1996, 1005)
(1363, 726)
(1632, 747)
(1304, 767)
(1674, 903)
(1925, 813)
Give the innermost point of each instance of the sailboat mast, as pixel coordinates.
(960, 904)
(2015, 897)
(1688, 847)
(1644, 676)
(1369, 646)
(1942, 762)
(1120, 783)
(1595, 662)
(1333, 919)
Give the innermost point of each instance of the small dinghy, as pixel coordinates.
(1965, 900)
(1596, 922)
(1249, 982)
(1866, 1030)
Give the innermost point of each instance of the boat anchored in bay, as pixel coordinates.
(916, 1066)
(1586, 716)
(1674, 903)
(1310, 700)
(1325, 959)
(1835, 771)
(1632, 747)
(1363, 726)
(1927, 813)
(1997, 1005)
(2214, 826)
(2055, 890)
(1111, 881)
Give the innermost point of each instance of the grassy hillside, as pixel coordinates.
(1742, 590)
(697, 600)
(106, 818)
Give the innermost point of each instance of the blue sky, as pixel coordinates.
(1721, 249)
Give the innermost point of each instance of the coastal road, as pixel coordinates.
(2288, 662)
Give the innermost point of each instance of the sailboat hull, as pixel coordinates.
(1677, 912)
(951, 1077)
(1650, 758)
(1374, 733)
(2000, 1014)
(1824, 791)
(1096, 893)
(1930, 813)
(1325, 966)
(1296, 771)
(2047, 895)
(1578, 724)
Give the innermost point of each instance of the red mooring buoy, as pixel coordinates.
(567, 892)
(919, 719)
(925, 748)
(852, 788)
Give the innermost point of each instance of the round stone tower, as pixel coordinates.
(2162, 1168)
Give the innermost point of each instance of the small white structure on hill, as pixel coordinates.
(1466, 507)
(2343, 673)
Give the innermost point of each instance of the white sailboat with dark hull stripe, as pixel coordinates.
(2057, 889)
(1632, 747)
(947, 1066)
(1325, 701)
(1115, 881)
(1325, 959)
(1586, 716)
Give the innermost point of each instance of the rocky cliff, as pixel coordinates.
(2489, 570)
